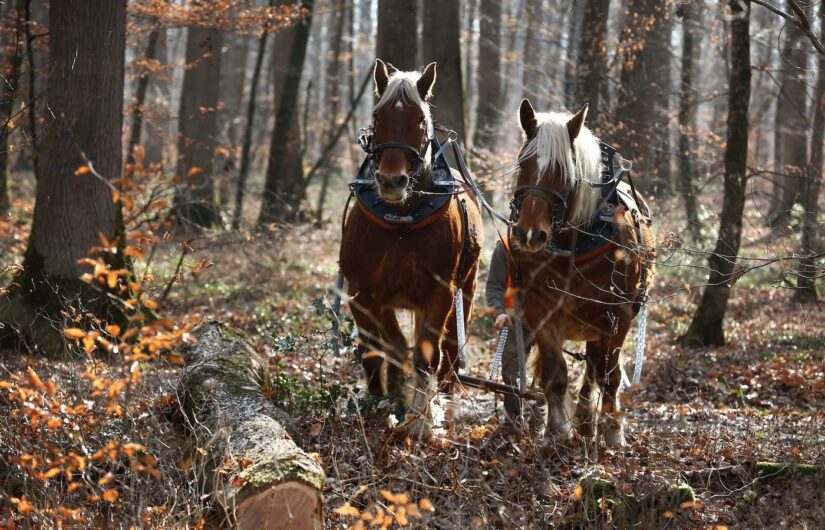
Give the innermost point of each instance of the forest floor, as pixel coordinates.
(760, 398)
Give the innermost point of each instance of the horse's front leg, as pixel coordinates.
(426, 358)
(609, 374)
(382, 345)
(552, 372)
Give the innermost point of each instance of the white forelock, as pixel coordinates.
(551, 146)
(402, 87)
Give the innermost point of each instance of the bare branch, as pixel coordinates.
(798, 18)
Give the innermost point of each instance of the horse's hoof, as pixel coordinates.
(417, 429)
(611, 429)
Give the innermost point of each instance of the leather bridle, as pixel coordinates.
(366, 138)
(558, 207)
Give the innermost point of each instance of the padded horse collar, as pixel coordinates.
(434, 201)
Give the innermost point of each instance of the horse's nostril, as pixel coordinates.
(521, 236)
(379, 178)
(403, 180)
(541, 237)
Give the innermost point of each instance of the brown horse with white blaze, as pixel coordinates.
(565, 297)
(416, 268)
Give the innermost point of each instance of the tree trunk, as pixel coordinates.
(198, 128)
(489, 110)
(441, 43)
(252, 467)
(534, 76)
(10, 83)
(233, 81)
(246, 146)
(156, 119)
(284, 185)
(591, 80)
(808, 274)
(643, 99)
(791, 126)
(574, 37)
(691, 13)
(336, 92)
(707, 325)
(74, 209)
(396, 42)
(140, 96)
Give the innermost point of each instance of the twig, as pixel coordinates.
(800, 19)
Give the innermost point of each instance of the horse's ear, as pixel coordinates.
(426, 82)
(380, 76)
(527, 118)
(574, 126)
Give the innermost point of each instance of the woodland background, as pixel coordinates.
(167, 162)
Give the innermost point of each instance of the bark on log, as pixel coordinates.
(253, 468)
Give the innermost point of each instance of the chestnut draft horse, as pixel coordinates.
(417, 267)
(590, 298)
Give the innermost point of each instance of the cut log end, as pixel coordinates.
(287, 505)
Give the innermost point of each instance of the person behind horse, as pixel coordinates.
(500, 299)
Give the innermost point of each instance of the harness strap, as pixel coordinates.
(465, 174)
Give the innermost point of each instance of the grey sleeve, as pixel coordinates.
(497, 279)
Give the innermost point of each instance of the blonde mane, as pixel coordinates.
(402, 87)
(551, 145)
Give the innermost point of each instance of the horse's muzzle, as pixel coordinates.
(392, 188)
(531, 240)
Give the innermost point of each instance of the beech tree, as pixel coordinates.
(198, 128)
(284, 186)
(591, 67)
(706, 328)
(396, 42)
(643, 97)
(80, 154)
(440, 44)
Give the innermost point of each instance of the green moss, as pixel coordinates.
(782, 469)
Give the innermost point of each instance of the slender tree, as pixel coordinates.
(591, 80)
(156, 119)
(336, 91)
(574, 36)
(807, 274)
(8, 89)
(791, 125)
(706, 328)
(140, 95)
(246, 144)
(489, 109)
(396, 42)
(441, 43)
(81, 152)
(197, 130)
(691, 13)
(284, 187)
(233, 80)
(534, 75)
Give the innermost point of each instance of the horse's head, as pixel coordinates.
(403, 127)
(558, 156)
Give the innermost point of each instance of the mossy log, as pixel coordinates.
(601, 502)
(251, 465)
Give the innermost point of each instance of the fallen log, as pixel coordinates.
(241, 442)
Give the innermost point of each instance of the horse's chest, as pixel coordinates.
(397, 264)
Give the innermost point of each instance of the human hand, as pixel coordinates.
(503, 320)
